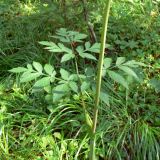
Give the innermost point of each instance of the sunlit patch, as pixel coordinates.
(154, 13)
(29, 8)
(45, 4)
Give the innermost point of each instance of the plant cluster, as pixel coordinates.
(48, 95)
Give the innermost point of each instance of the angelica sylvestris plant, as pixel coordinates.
(59, 82)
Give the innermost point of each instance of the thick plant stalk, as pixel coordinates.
(99, 78)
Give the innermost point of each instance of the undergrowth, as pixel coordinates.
(33, 127)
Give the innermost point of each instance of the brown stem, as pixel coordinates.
(90, 26)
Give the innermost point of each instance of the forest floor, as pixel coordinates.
(38, 125)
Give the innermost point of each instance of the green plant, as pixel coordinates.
(47, 74)
(57, 83)
(39, 120)
(118, 124)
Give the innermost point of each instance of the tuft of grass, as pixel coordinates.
(22, 26)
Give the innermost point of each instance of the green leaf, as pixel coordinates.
(87, 45)
(48, 89)
(37, 90)
(73, 86)
(59, 91)
(46, 43)
(62, 32)
(52, 47)
(81, 76)
(73, 77)
(62, 82)
(30, 77)
(90, 72)
(80, 49)
(132, 44)
(18, 70)
(26, 74)
(133, 64)
(140, 64)
(85, 85)
(88, 56)
(62, 39)
(65, 49)
(155, 83)
(38, 66)
(53, 76)
(48, 98)
(105, 98)
(128, 70)
(57, 135)
(42, 82)
(67, 57)
(30, 68)
(89, 121)
(120, 60)
(107, 62)
(118, 78)
(95, 48)
(64, 74)
(79, 36)
(49, 69)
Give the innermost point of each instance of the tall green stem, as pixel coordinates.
(99, 78)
